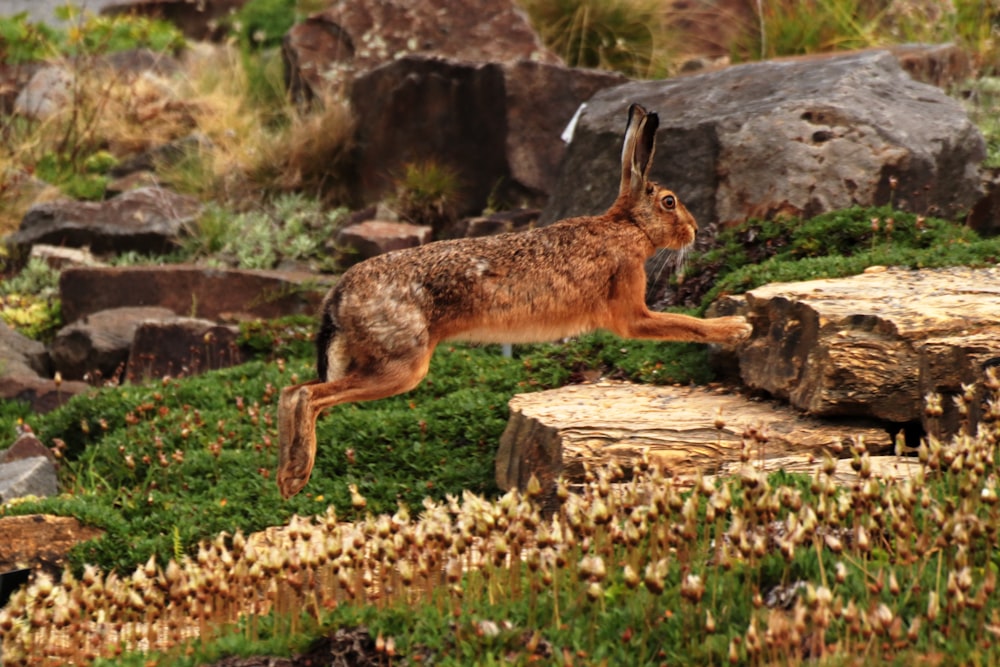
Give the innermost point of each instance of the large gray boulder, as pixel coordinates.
(799, 136)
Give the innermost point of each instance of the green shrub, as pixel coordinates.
(23, 40)
(292, 227)
(261, 24)
(29, 303)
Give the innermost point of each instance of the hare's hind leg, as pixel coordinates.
(300, 406)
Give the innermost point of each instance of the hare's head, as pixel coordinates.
(654, 209)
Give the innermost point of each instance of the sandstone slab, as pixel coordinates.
(685, 430)
(41, 541)
(798, 136)
(875, 344)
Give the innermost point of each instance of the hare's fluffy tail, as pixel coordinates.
(327, 331)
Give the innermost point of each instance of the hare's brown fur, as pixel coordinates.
(381, 322)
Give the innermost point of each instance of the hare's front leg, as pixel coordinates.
(674, 326)
(300, 406)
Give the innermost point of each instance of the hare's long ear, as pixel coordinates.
(637, 149)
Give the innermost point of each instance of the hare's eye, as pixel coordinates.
(669, 202)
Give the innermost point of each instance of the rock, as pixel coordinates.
(201, 20)
(17, 349)
(872, 345)
(798, 137)
(195, 291)
(497, 223)
(47, 92)
(27, 446)
(147, 220)
(950, 365)
(181, 346)
(41, 541)
(97, 346)
(59, 258)
(480, 120)
(20, 383)
(542, 99)
(942, 65)
(325, 51)
(13, 78)
(417, 108)
(162, 155)
(984, 218)
(559, 431)
(375, 237)
(35, 476)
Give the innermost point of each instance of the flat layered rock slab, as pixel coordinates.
(882, 467)
(685, 430)
(191, 290)
(873, 345)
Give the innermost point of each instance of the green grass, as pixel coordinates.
(872, 572)
(832, 245)
(187, 459)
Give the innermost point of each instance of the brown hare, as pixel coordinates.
(381, 322)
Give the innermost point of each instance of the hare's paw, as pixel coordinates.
(730, 330)
(296, 442)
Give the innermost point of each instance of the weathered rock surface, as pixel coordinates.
(41, 541)
(984, 217)
(97, 346)
(181, 346)
(19, 350)
(875, 344)
(500, 222)
(799, 136)
(374, 237)
(685, 430)
(58, 257)
(328, 48)
(35, 476)
(482, 120)
(417, 109)
(541, 100)
(47, 91)
(148, 220)
(26, 446)
(44, 394)
(185, 289)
